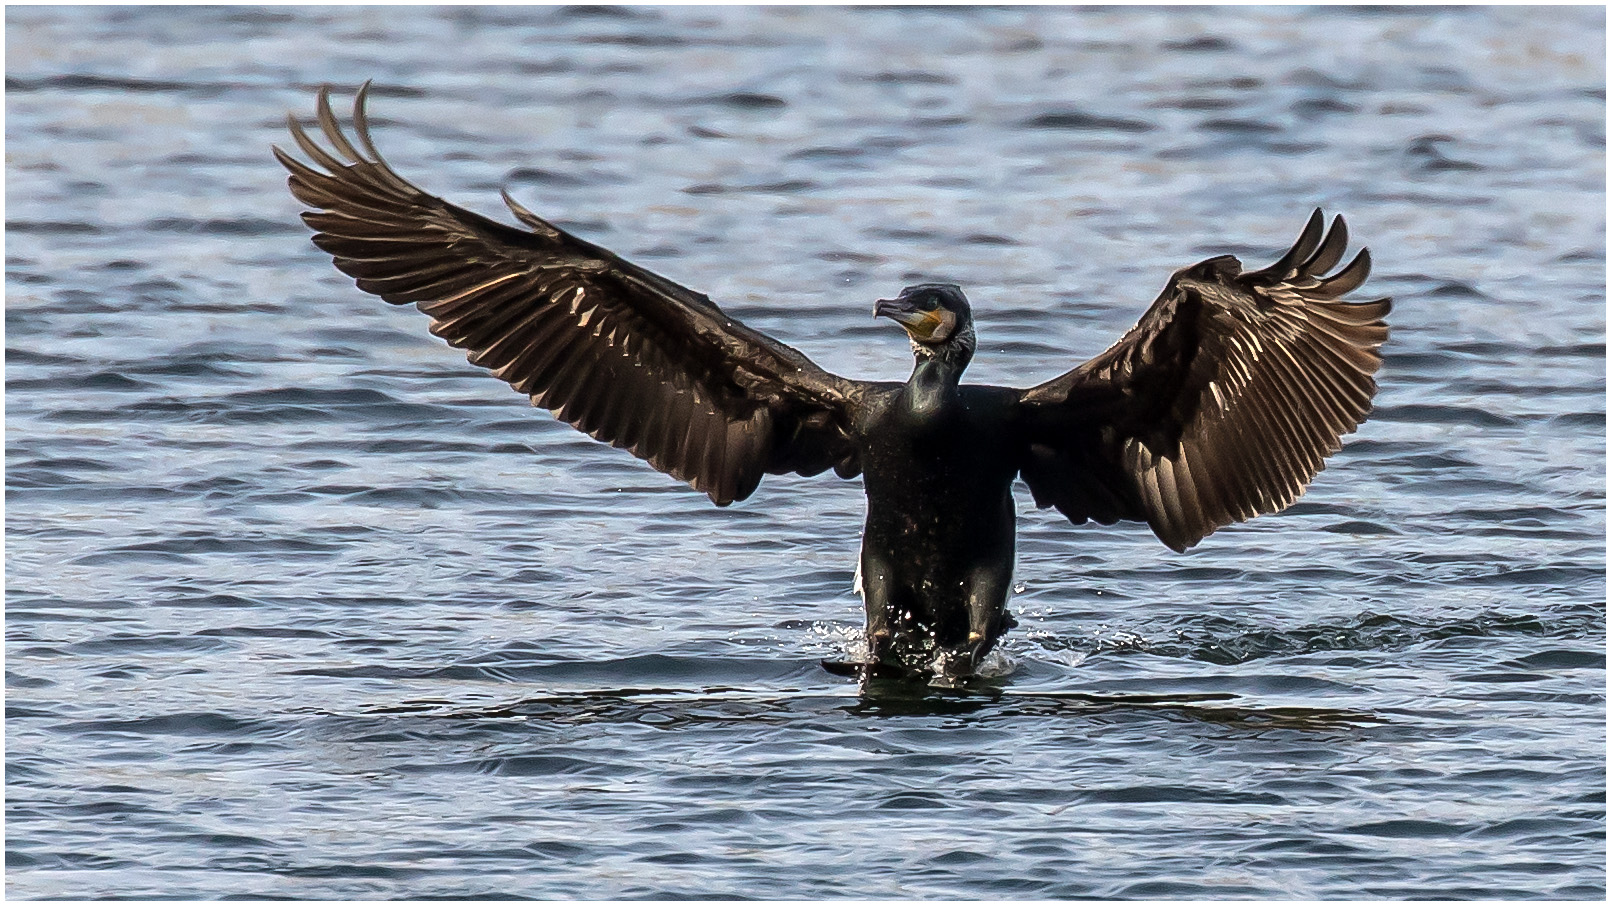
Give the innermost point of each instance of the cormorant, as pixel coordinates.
(1219, 405)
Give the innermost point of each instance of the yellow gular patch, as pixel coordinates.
(933, 326)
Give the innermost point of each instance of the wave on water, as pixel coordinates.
(1226, 640)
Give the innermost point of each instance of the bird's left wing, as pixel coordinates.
(1220, 404)
(619, 352)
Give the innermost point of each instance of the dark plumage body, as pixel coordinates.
(1220, 404)
(937, 554)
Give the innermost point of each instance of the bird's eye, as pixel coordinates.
(930, 303)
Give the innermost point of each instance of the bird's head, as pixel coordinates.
(936, 317)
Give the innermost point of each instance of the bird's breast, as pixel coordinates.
(936, 476)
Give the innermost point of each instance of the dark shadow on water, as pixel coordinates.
(993, 700)
(995, 697)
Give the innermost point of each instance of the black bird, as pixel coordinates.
(1219, 405)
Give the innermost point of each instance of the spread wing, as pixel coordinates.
(1220, 404)
(621, 353)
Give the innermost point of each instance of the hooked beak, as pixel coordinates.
(924, 326)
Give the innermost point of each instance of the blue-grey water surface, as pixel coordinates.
(301, 604)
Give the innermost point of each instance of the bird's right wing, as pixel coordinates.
(621, 353)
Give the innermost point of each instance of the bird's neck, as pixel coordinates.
(933, 382)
